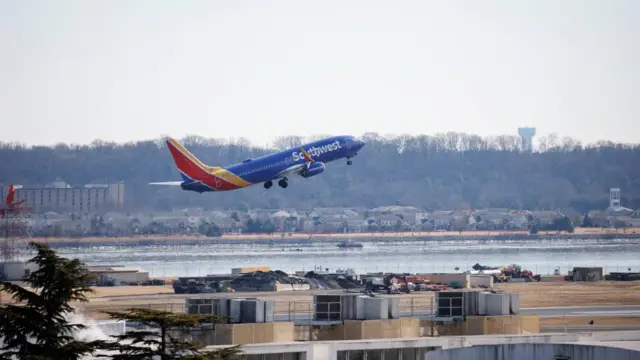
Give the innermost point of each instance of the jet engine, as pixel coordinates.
(313, 169)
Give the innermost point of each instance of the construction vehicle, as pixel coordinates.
(514, 272)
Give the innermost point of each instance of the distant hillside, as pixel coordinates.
(436, 172)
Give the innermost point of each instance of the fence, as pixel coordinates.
(302, 311)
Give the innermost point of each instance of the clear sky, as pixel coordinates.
(77, 70)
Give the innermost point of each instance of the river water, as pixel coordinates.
(418, 256)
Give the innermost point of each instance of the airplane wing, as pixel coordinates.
(167, 183)
(296, 169)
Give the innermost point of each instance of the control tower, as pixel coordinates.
(614, 198)
(527, 134)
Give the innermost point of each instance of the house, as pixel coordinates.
(546, 218)
(517, 222)
(441, 220)
(307, 224)
(598, 218)
(618, 211)
(116, 226)
(405, 212)
(74, 227)
(261, 215)
(226, 224)
(332, 213)
(355, 224)
(387, 221)
(285, 221)
(118, 274)
(421, 217)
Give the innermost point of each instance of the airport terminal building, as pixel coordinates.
(59, 197)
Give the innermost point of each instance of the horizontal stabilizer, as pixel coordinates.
(167, 183)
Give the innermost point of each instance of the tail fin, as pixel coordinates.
(11, 195)
(190, 167)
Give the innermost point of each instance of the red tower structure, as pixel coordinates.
(14, 226)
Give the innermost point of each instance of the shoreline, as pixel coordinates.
(302, 238)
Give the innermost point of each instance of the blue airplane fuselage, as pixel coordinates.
(270, 167)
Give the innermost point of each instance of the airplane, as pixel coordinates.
(307, 160)
(11, 205)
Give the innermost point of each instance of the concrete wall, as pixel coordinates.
(484, 325)
(110, 327)
(292, 287)
(462, 279)
(230, 334)
(245, 270)
(369, 329)
(481, 281)
(16, 270)
(587, 274)
(124, 276)
(328, 350)
(533, 352)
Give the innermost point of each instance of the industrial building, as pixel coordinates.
(356, 316)
(59, 196)
(118, 275)
(618, 345)
(16, 270)
(356, 326)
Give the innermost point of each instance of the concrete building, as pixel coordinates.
(615, 206)
(587, 274)
(62, 197)
(16, 270)
(118, 274)
(618, 345)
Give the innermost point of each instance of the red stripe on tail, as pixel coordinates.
(195, 172)
(11, 196)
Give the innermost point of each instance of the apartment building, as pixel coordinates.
(60, 197)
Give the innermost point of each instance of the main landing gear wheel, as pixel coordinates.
(283, 183)
(268, 184)
(349, 162)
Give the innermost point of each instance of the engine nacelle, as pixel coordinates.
(313, 169)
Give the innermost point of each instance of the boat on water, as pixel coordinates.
(350, 244)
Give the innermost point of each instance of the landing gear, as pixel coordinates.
(268, 184)
(349, 162)
(283, 183)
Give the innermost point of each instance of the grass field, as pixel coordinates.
(553, 294)
(558, 294)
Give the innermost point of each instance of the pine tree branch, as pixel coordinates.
(20, 294)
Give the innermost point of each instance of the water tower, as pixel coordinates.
(527, 134)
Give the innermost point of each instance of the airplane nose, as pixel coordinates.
(360, 144)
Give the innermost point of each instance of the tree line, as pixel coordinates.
(442, 171)
(37, 325)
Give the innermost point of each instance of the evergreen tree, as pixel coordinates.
(37, 327)
(587, 221)
(148, 343)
